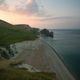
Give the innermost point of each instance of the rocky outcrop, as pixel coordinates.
(17, 48)
(46, 33)
(4, 53)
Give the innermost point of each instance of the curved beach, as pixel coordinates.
(60, 68)
(45, 59)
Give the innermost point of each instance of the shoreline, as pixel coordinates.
(71, 72)
(61, 62)
(45, 58)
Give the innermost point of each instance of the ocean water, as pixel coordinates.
(67, 45)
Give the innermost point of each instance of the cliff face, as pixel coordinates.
(4, 53)
(20, 47)
(17, 48)
(11, 35)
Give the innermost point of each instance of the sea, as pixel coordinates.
(66, 42)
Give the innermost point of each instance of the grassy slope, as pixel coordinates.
(8, 72)
(18, 74)
(9, 35)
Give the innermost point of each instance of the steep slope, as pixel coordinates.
(10, 34)
(23, 27)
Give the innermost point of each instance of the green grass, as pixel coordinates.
(20, 74)
(9, 72)
(10, 35)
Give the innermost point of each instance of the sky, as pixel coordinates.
(56, 14)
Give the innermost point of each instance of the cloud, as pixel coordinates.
(2, 1)
(32, 6)
(29, 7)
(3, 5)
(25, 7)
(51, 18)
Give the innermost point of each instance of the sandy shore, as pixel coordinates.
(37, 58)
(45, 59)
(61, 70)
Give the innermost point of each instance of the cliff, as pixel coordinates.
(11, 34)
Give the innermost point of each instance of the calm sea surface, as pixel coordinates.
(67, 45)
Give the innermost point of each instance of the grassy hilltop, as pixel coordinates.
(11, 33)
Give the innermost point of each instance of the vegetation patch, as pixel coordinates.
(9, 34)
(11, 73)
